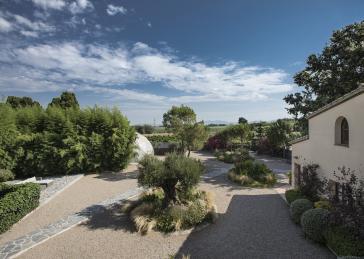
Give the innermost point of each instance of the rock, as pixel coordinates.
(142, 147)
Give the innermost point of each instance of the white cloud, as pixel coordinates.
(29, 34)
(50, 4)
(5, 26)
(80, 6)
(107, 70)
(34, 26)
(113, 10)
(23, 25)
(149, 24)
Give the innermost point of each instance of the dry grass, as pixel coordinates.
(245, 180)
(141, 218)
(147, 213)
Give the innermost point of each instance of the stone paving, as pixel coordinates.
(25, 242)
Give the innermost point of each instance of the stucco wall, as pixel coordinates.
(320, 148)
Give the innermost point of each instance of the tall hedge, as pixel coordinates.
(39, 142)
(16, 202)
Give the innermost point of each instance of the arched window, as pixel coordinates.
(342, 132)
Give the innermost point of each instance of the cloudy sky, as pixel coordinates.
(223, 58)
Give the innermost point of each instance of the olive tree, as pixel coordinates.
(177, 175)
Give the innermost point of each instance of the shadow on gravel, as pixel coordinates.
(254, 226)
(109, 217)
(223, 181)
(113, 177)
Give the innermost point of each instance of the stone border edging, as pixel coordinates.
(61, 190)
(22, 244)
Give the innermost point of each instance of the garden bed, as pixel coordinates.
(332, 219)
(148, 212)
(173, 203)
(252, 174)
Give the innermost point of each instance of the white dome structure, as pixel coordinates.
(142, 147)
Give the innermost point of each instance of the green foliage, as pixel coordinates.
(278, 134)
(292, 195)
(344, 243)
(6, 175)
(154, 139)
(312, 186)
(16, 202)
(21, 102)
(330, 74)
(242, 120)
(144, 129)
(314, 224)
(182, 122)
(253, 174)
(298, 207)
(323, 205)
(38, 142)
(178, 117)
(252, 169)
(194, 136)
(8, 135)
(177, 171)
(65, 101)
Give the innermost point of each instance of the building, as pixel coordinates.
(335, 139)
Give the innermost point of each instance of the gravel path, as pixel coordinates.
(89, 190)
(253, 223)
(58, 184)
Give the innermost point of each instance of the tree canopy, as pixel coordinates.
(21, 102)
(66, 100)
(182, 122)
(337, 70)
(177, 117)
(242, 120)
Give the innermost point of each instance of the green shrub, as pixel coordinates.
(16, 202)
(65, 140)
(298, 207)
(6, 175)
(323, 205)
(314, 224)
(292, 195)
(175, 170)
(253, 174)
(343, 242)
(154, 139)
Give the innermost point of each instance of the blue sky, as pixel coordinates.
(223, 58)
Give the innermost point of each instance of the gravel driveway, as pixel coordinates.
(253, 223)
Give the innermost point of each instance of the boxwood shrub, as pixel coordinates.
(17, 201)
(298, 207)
(292, 195)
(6, 175)
(314, 224)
